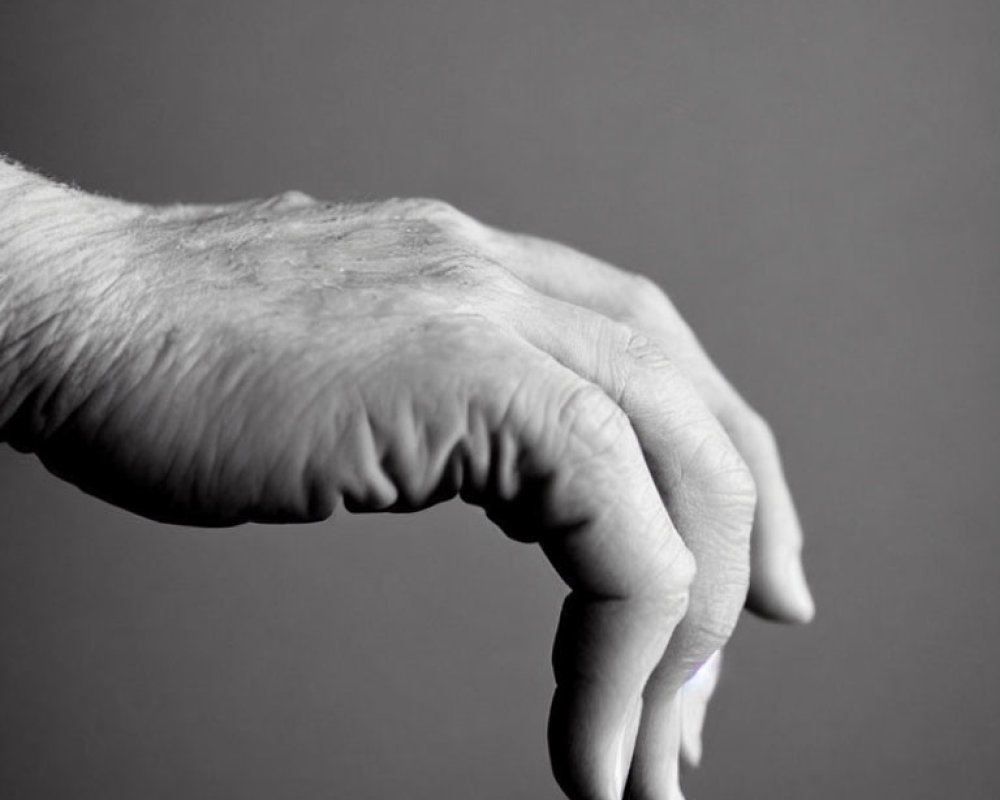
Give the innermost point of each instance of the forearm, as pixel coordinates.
(38, 217)
(43, 225)
(50, 275)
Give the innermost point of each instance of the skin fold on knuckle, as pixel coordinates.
(444, 415)
(621, 352)
(578, 437)
(593, 428)
(639, 351)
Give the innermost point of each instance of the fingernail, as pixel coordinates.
(795, 580)
(626, 747)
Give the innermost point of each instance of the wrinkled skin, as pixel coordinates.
(269, 360)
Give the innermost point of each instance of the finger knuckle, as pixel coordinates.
(288, 201)
(644, 350)
(589, 416)
(435, 209)
(727, 491)
(681, 569)
(296, 197)
(627, 349)
(630, 343)
(623, 345)
(670, 577)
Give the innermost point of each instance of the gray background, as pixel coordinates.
(817, 185)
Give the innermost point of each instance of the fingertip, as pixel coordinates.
(798, 589)
(782, 594)
(691, 748)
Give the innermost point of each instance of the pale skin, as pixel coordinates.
(272, 359)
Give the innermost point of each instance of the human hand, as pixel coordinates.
(265, 360)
